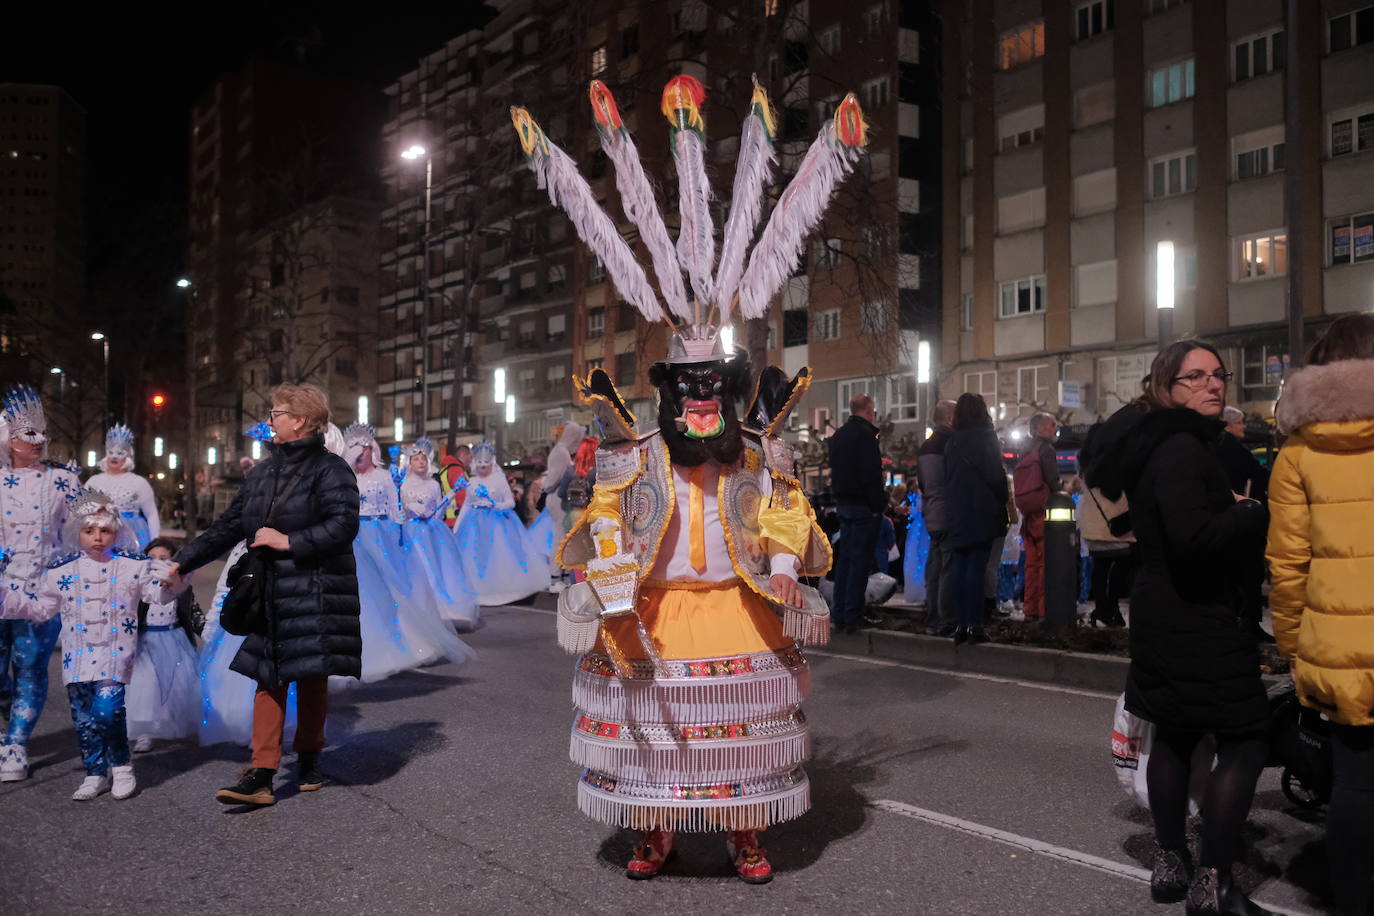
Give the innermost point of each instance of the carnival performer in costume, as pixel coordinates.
(132, 493)
(401, 625)
(558, 465)
(35, 497)
(575, 493)
(499, 560)
(917, 549)
(431, 541)
(163, 693)
(690, 682)
(96, 592)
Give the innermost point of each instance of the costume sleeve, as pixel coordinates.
(223, 533)
(1290, 548)
(64, 506)
(38, 599)
(152, 588)
(393, 505)
(147, 504)
(499, 488)
(336, 492)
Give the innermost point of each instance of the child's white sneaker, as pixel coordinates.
(90, 787)
(124, 782)
(14, 763)
(143, 745)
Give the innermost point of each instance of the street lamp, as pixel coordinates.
(398, 430)
(510, 409)
(157, 446)
(183, 283)
(498, 386)
(412, 154)
(922, 376)
(1164, 291)
(99, 336)
(362, 409)
(192, 432)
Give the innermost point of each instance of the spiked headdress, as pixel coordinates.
(24, 415)
(359, 436)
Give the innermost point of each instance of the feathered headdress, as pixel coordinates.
(24, 415)
(422, 446)
(718, 289)
(360, 436)
(482, 452)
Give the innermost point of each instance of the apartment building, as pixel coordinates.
(1089, 133)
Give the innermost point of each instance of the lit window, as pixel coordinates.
(1021, 46)
(1171, 84)
(1352, 239)
(599, 60)
(1176, 174)
(1260, 256)
(1022, 297)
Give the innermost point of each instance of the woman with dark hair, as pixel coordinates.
(1321, 553)
(1195, 668)
(300, 506)
(976, 500)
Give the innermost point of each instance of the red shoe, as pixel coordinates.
(654, 849)
(749, 859)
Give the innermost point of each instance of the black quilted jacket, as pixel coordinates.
(313, 629)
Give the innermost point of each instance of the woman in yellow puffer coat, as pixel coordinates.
(1321, 555)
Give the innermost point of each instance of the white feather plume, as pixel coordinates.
(753, 173)
(641, 207)
(696, 239)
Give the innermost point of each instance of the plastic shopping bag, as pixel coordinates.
(1131, 740)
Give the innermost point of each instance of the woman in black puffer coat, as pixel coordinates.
(1195, 666)
(312, 631)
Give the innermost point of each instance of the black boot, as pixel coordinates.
(1171, 875)
(1214, 892)
(308, 775)
(253, 788)
(1110, 619)
(960, 635)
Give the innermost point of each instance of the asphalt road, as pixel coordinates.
(932, 794)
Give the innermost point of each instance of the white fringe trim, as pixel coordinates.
(577, 636)
(700, 700)
(719, 760)
(806, 629)
(755, 813)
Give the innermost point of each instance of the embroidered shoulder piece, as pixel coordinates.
(614, 420)
(780, 457)
(774, 398)
(63, 560)
(617, 465)
(130, 554)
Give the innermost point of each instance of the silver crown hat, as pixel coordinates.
(359, 436)
(24, 414)
(421, 446)
(92, 505)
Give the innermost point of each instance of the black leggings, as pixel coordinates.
(1350, 818)
(1226, 803)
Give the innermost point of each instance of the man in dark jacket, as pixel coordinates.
(856, 480)
(930, 471)
(1043, 429)
(1248, 478)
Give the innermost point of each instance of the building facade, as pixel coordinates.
(1089, 133)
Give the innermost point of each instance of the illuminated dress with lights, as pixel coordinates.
(132, 494)
(689, 684)
(401, 626)
(34, 503)
(499, 557)
(917, 550)
(430, 540)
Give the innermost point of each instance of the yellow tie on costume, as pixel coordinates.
(697, 530)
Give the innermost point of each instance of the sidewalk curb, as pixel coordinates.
(1050, 666)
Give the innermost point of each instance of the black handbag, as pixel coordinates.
(245, 610)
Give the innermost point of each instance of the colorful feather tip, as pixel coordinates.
(682, 99)
(850, 127)
(604, 109)
(532, 139)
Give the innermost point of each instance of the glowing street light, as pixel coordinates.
(212, 456)
(362, 409)
(923, 362)
(91, 458)
(510, 409)
(157, 446)
(398, 430)
(172, 461)
(1164, 291)
(256, 449)
(415, 151)
(183, 283)
(498, 386)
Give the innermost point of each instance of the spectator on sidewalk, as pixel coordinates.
(975, 504)
(930, 471)
(1038, 454)
(1113, 554)
(856, 480)
(1249, 478)
(1320, 534)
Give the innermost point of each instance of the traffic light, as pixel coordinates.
(159, 401)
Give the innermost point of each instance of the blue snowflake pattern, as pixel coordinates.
(62, 484)
(129, 625)
(65, 583)
(11, 481)
(66, 660)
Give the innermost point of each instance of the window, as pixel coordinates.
(966, 312)
(1095, 18)
(1094, 284)
(795, 324)
(875, 18)
(1021, 46)
(598, 60)
(827, 254)
(1261, 371)
(554, 375)
(1094, 192)
(1352, 239)
(558, 328)
(1171, 84)
(1252, 163)
(1351, 131)
(595, 272)
(626, 317)
(983, 383)
(829, 40)
(527, 381)
(1094, 105)
(1022, 297)
(848, 388)
(1021, 211)
(629, 41)
(1021, 128)
(1175, 174)
(1258, 56)
(876, 93)
(625, 368)
(1260, 256)
(1033, 385)
(596, 322)
(595, 364)
(902, 395)
(828, 325)
(1350, 29)
(873, 317)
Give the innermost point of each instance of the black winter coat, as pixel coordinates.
(856, 466)
(1194, 665)
(975, 489)
(313, 630)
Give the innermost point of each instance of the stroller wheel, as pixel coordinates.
(1297, 793)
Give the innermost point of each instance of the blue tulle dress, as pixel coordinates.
(917, 552)
(499, 557)
(543, 534)
(431, 541)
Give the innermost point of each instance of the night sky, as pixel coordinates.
(137, 78)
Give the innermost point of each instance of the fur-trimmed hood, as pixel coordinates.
(1339, 393)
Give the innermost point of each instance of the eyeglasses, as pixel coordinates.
(1198, 379)
(272, 414)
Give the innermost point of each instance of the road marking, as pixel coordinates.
(928, 669)
(1049, 850)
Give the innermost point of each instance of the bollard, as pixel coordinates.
(1061, 563)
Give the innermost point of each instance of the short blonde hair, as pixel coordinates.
(307, 401)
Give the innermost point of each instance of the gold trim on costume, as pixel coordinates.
(669, 585)
(800, 384)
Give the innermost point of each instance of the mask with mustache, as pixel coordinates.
(697, 413)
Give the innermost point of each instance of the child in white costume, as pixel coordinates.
(131, 493)
(428, 538)
(163, 694)
(498, 557)
(401, 627)
(96, 592)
